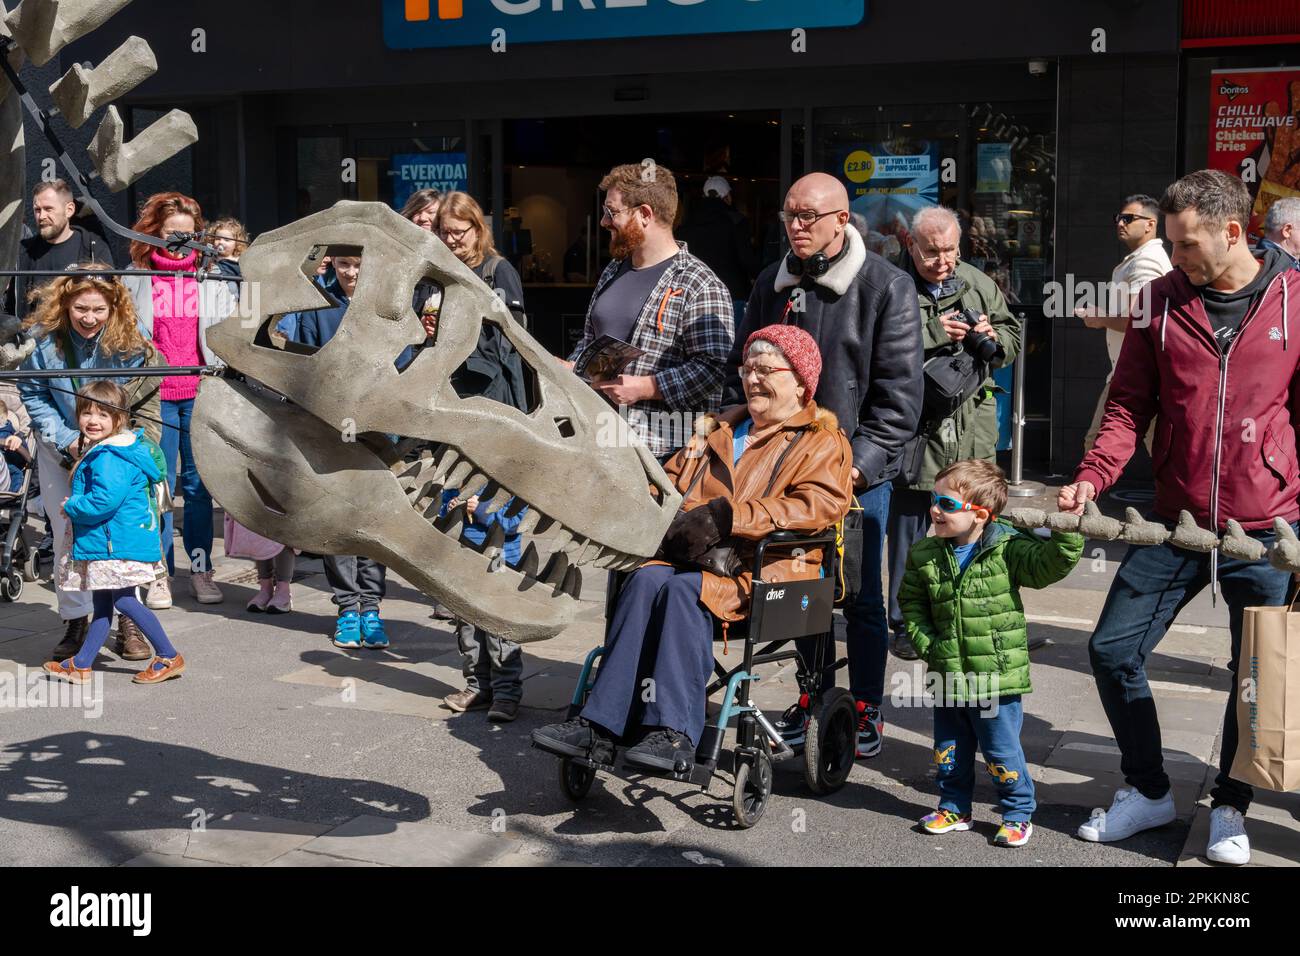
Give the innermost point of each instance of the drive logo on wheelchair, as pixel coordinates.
(775, 595)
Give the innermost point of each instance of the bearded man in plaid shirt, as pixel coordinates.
(660, 298)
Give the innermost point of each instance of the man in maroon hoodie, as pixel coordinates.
(1208, 356)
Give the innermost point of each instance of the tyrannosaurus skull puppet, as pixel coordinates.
(309, 459)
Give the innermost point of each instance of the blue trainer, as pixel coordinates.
(347, 632)
(372, 630)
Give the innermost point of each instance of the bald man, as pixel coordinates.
(863, 313)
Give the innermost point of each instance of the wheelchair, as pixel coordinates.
(780, 613)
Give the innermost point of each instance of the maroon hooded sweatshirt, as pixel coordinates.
(1225, 441)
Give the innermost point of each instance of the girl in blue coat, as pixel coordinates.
(113, 519)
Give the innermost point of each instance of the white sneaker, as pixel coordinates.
(205, 592)
(159, 597)
(1130, 813)
(1228, 842)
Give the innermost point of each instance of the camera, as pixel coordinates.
(979, 344)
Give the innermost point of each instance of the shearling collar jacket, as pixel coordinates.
(863, 315)
(811, 492)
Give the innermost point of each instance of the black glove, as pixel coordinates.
(694, 532)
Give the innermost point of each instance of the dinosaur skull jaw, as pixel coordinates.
(319, 494)
(278, 452)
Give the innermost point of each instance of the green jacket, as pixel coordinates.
(972, 432)
(973, 621)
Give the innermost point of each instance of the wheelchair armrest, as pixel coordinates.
(789, 539)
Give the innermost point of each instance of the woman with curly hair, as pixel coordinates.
(83, 321)
(176, 311)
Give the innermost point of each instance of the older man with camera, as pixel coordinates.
(967, 331)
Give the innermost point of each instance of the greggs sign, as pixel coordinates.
(410, 24)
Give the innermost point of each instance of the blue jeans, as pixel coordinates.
(659, 629)
(868, 627)
(196, 531)
(1152, 585)
(996, 731)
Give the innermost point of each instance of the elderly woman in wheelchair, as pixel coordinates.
(776, 464)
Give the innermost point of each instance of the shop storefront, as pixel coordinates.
(968, 109)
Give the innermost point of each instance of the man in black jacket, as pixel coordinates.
(57, 244)
(863, 313)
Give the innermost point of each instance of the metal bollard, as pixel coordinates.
(1017, 487)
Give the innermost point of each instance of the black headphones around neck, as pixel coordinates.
(816, 265)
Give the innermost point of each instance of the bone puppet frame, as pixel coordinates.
(37, 30)
(299, 453)
(1283, 555)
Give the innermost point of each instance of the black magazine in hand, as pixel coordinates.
(605, 358)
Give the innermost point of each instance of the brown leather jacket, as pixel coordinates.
(812, 492)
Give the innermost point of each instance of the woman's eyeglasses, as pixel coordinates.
(455, 234)
(760, 371)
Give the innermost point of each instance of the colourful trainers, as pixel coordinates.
(347, 631)
(871, 727)
(372, 630)
(941, 821)
(1014, 834)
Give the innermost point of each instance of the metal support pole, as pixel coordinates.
(1017, 487)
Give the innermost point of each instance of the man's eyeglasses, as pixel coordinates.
(612, 214)
(805, 216)
(761, 371)
(1125, 218)
(951, 255)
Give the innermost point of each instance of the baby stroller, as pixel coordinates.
(19, 561)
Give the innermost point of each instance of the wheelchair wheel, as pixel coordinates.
(11, 586)
(830, 749)
(753, 788)
(575, 779)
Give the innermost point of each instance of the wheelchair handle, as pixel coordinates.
(785, 539)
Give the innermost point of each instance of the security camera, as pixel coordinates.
(1038, 67)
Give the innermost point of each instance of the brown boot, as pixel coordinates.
(467, 699)
(73, 638)
(131, 645)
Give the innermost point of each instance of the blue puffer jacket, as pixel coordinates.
(110, 509)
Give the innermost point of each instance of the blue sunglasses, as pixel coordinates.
(949, 505)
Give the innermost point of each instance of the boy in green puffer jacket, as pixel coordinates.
(960, 598)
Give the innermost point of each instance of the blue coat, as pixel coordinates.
(109, 507)
(477, 528)
(317, 326)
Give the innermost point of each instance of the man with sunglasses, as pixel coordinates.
(1135, 226)
(862, 312)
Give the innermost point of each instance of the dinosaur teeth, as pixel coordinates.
(459, 472)
(529, 561)
(453, 522)
(474, 483)
(563, 538)
(446, 459)
(556, 568)
(495, 541)
(530, 521)
(572, 585)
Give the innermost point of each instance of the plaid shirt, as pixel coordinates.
(686, 328)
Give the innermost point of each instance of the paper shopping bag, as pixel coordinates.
(1268, 699)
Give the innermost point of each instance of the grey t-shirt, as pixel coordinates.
(620, 302)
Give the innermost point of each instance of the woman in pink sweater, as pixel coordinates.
(177, 311)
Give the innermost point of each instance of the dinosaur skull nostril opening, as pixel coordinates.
(565, 426)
